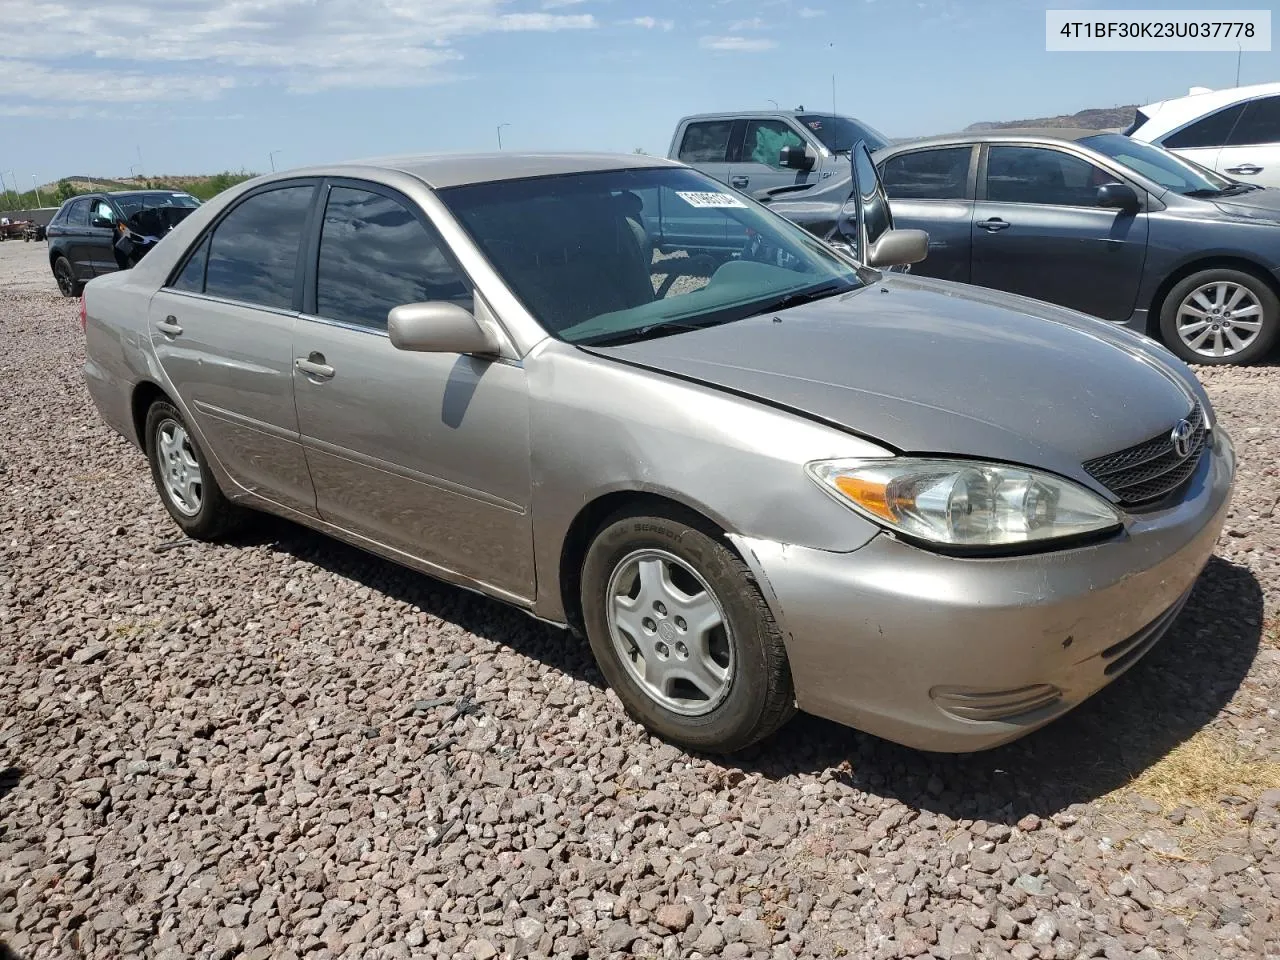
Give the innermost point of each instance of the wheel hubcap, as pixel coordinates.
(1219, 319)
(64, 279)
(179, 468)
(671, 632)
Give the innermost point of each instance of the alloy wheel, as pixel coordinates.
(670, 632)
(1219, 319)
(179, 468)
(66, 282)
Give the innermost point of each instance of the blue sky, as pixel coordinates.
(207, 85)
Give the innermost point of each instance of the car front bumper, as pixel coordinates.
(963, 654)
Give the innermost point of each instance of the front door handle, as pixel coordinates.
(739, 181)
(314, 366)
(994, 224)
(169, 326)
(1247, 169)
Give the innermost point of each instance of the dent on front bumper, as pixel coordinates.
(920, 648)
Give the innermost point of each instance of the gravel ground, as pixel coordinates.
(281, 747)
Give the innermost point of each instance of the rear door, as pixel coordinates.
(1202, 140)
(1252, 151)
(933, 190)
(222, 329)
(1038, 231)
(76, 230)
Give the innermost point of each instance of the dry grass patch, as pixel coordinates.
(1203, 770)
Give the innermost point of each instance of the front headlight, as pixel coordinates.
(960, 503)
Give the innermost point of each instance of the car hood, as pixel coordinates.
(931, 367)
(1261, 204)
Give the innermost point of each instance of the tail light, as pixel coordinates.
(84, 316)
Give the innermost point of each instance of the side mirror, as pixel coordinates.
(1118, 196)
(438, 327)
(104, 222)
(797, 158)
(898, 248)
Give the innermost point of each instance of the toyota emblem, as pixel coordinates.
(1181, 438)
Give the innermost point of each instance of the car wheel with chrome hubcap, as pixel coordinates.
(1220, 316)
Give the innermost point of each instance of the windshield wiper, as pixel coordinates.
(1228, 191)
(658, 329)
(801, 297)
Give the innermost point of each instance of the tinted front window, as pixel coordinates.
(254, 251)
(839, 134)
(1260, 123)
(78, 214)
(1210, 131)
(191, 278)
(928, 174)
(602, 256)
(132, 203)
(706, 142)
(1165, 168)
(1042, 175)
(375, 255)
(765, 138)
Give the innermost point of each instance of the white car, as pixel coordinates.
(1235, 131)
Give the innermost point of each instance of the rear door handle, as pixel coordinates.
(314, 366)
(739, 181)
(994, 224)
(1248, 169)
(169, 326)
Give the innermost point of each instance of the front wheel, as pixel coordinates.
(1220, 316)
(683, 636)
(68, 285)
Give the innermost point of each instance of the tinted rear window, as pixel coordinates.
(706, 142)
(254, 252)
(1210, 131)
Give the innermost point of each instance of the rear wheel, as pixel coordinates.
(182, 476)
(1220, 316)
(683, 635)
(66, 277)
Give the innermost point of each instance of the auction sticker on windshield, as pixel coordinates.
(696, 199)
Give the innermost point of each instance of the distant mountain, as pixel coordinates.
(1100, 118)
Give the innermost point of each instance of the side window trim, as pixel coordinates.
(315, 228)
(222, 215)
(981, 194)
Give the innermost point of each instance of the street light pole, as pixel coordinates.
(500, 126)
(36, 187)
(272, 157)
(774, 102)
(16, 198)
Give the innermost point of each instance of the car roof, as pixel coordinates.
(754, 114)
(1017, 134)
(458, 169)
(143, 193)
(1165, 115)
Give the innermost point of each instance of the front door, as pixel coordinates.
(1038, 231)
(79, 238)
(223, 331)
(102, 237)
(757, 168)
(426, 453)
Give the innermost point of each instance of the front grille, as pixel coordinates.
(1152, 469)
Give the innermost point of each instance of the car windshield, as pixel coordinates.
(1156, 163)
(132, 203)
(839, 134)
(617, 255)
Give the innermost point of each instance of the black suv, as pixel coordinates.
(103, 232)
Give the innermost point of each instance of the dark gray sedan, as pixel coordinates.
(1101, 223)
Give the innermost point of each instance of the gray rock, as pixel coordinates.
(618, 936)
(675, 916)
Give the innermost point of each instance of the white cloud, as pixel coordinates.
(755, 23)
(737, 44)
(652, 23)
(165, 50)
(808, 13)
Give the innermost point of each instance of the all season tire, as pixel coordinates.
(683, 635)
(1220, 316)
(182, 476)
(63, 272)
